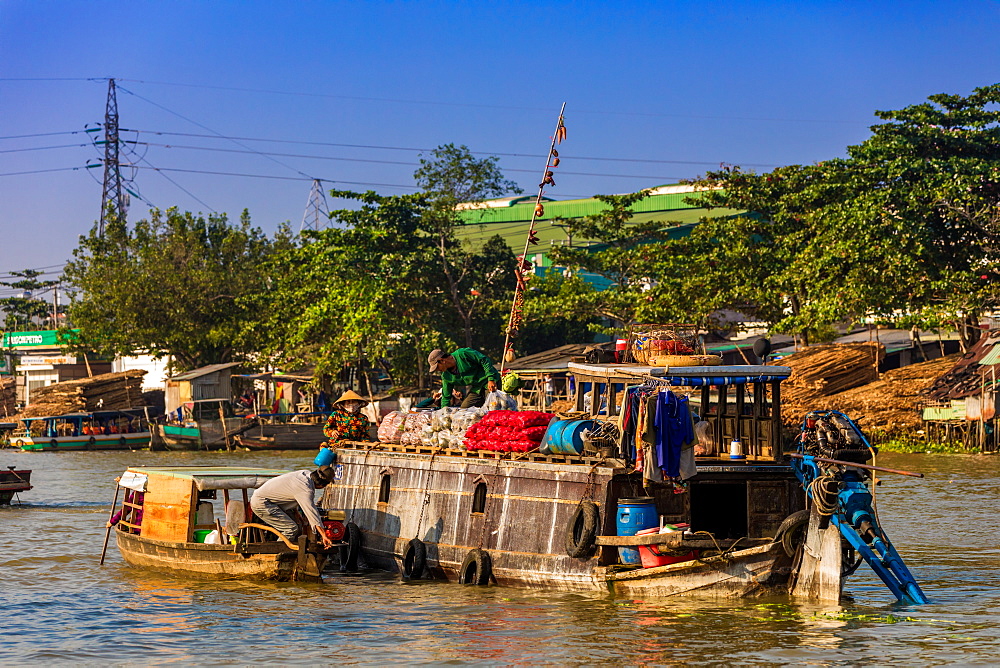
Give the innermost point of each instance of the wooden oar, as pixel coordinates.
(859, 466)
(107, 534)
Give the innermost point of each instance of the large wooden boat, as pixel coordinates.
(95, 430)
(519, 517)
(168, 511)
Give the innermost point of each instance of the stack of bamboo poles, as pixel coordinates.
(8, 397)
(891, 405)
(820, 371)
(108, 391)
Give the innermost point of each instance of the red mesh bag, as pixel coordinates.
(535, 434)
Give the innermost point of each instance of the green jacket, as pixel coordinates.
(473, 369)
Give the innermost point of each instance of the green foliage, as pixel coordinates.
(452, 176)
(23, 312)
(173, 285)
(384, 283)
(904, 229)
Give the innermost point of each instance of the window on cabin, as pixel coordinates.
(479, 499)
(385, 487)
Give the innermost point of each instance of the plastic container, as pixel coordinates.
(325, 457)
(201, 534)
(736, 449)
(650, 554)
(634, 515)
(565, 437)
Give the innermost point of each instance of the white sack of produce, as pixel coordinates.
(499, 400)
(448, 426)
(392, 427)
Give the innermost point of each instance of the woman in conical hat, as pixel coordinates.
(346, 422)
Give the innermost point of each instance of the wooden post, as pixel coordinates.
(225, 432)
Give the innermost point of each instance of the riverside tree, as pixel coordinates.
(905, 228)
(175, 284)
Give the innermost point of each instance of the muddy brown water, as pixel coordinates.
(61, 607)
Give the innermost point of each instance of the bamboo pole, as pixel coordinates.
(107, 533)
(519, 288)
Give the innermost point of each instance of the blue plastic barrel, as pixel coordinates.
(551, 435)
(325, 457)
(634, 515)
(568, 438)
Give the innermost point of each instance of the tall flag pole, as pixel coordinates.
(526, 268)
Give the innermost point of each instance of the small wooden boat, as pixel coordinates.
(285, 431)
(169, 512)
(206, 424)
(13, 481)
(96, 430)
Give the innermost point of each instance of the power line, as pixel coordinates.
(43, 134)
(41, 148)
(45, 171)
(205, 127)
(483, 106)
(411, 149)
(380, 162)
(270, 176)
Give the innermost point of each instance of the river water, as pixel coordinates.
(61, 607)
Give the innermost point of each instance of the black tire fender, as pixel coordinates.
(54, 443)
(349, 553)
(791, 532)
(414, 559)
(91, 442)
(477, 569)
(19, 443)
(581, 532)
(122, 441)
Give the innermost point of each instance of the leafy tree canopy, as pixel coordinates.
(172, 285)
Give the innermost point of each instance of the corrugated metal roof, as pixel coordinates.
(554, 359)
(573, 208)
(204, 371)
(964, 378)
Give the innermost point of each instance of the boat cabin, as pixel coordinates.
(746, 496)
(97, 423)
(184, 504)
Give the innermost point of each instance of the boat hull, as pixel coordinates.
(216, 561)
(529, 506)
(136, 441)
(12, 482)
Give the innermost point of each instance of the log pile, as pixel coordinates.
(8, 397)
(820, 371)
(890, 406)
(108, 391)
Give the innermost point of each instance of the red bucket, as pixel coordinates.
(650, 554)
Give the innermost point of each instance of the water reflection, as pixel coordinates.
(70, 610)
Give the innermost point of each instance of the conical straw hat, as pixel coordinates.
(350, 395)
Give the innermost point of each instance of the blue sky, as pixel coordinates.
(661, 91)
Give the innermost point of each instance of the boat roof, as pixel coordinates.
(133, 412)
(193, 472)
(740, 374)
(203, 477)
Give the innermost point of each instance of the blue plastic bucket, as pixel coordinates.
(567, 439)
(325, 457)
(634, 515)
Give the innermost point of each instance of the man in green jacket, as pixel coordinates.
(466, 367)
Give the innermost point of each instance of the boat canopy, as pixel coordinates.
(95, 415)
(211, 477)
(691, 376)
